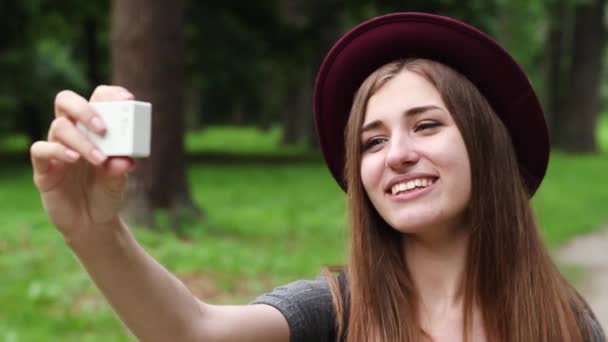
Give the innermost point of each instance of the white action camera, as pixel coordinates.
(129, 126)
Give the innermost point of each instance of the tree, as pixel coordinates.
(147, 58)
(314, 26)
(555, 55)
(35, 64)
(576, 130)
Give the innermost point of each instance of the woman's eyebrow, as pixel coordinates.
(370, 126)
(419, 110)
(410, 112)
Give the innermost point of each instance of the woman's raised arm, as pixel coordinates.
(81, 191)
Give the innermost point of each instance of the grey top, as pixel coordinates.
(308, 309)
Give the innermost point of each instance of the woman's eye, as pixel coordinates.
(373, 142)
(426, 125)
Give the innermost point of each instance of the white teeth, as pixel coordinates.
(411, 184)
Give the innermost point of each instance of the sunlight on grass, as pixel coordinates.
(572, 199)
(602, 132)
(239, 140)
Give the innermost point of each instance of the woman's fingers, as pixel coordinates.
(64, 131)
(118, 166)
(76, 108)
(115, 172)
(111, 93)
(47, 159)
(42, 152)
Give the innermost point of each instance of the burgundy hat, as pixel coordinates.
(474, 54)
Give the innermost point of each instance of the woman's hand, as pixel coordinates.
(81, 189)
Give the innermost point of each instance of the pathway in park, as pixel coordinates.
(590, 254)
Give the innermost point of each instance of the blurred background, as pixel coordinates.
(235, 198)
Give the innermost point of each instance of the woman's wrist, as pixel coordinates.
(97, 238)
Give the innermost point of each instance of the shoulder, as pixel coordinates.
(594, 328)
(307, 307)
(590, 326)
(302, 292)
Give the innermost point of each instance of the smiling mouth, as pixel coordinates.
(412, 185)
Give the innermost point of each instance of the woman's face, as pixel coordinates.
(414, 164)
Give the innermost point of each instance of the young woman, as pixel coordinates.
(437, 137)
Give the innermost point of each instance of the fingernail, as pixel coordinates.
(72, 155)
(97, 124)
(133, 165)
(126, 94)
(97, 156)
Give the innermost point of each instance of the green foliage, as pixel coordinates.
(39, 56)
(13, 143)
(242, 59)
(521, 30)
(231, 53)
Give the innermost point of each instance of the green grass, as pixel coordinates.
(572, 199)
(266, 225)
(243, 140)
(602, 132)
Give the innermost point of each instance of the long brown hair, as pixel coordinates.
(509, 274)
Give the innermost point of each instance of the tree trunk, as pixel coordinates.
(147, 59)
(297, 108)
(295, 13)
(267, 104)
(326, 18)
(578, 127)
(320, 19)
(306, 123)
(31, 122)
(555, 79)
(91, 46)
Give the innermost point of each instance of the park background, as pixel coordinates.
(238, 199)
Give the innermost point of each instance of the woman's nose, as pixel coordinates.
(401, 154)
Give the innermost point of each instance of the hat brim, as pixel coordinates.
(471, 52)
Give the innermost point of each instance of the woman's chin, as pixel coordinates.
(424, 225)
(413, 228)
(410, 222)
